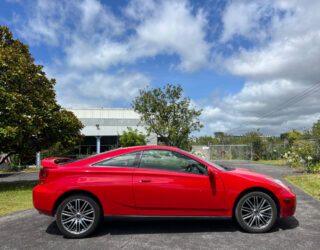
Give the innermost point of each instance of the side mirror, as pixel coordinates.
(211, 172)
(212, 178)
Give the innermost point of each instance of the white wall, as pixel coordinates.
(109, 122)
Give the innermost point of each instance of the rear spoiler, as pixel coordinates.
(53, 162)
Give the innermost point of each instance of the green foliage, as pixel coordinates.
(284, 136)
(58, 150)
(224, 138)
(132, 138)
(316, 131)
(293, 136)
(200, 154)
(258, 145)
(206, 140)
(219, 135)
(30, 119)
(303, 154)
(167, 114)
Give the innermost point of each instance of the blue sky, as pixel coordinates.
(237, 60)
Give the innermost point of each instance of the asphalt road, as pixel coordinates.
(19, 177)
(29, 230)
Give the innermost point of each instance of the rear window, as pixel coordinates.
(75, 160)
(125, 161)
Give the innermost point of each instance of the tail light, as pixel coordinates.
(43, 175)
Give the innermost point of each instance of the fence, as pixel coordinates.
(237, 151)
(227, 152)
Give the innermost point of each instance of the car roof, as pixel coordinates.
(115, 152)
(150, 147)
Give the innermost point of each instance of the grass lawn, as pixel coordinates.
(309, 183)
(15, 197)
(280, 162)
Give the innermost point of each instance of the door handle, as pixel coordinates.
(144, 181)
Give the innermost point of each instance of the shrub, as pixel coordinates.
(132, 138)
(303, 154)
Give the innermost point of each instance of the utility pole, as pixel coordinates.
(38, 163)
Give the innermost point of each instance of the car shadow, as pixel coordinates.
(132, 226)
(286, 223)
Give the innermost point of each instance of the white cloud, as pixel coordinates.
(93, 37)
(88, 32)
(45, 23)
(241, 18)
(121, 87)
(293, 51)
(172, 28)
(281, 65)
(273, 106)
(280, 59)
(166, 27)
(95, 17)
(98, 89)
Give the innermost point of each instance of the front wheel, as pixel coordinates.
(78, 216)
(256, 212)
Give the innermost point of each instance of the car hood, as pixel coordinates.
(248, 173)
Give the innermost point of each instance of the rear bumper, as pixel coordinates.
(288, 204)
(44, 199)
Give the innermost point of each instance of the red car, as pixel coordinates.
(156, 181)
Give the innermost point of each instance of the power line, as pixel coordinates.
(295, 99)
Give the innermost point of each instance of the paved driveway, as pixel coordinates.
(19, 177)
(29, 230)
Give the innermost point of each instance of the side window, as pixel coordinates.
(171, 161)
(126, 160)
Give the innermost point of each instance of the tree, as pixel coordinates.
(316, 131)
(293, 136)
(30, 118)
(132, 138)
(258, 146)
(167, 114)
(284, 136)
(219, 135)
(206, 140)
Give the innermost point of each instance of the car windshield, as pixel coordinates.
(220, 167)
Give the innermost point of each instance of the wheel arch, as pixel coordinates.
(75, 192)
(260, 189)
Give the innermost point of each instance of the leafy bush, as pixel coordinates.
(303, 154)
(200, 154)
(132, 138)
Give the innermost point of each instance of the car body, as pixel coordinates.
(158, 181)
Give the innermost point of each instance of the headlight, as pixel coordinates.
(279, 182)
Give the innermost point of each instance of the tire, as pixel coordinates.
(256, 212)
(78, 216)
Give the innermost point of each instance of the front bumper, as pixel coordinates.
(288, 204)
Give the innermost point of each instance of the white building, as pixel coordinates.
(104, 126)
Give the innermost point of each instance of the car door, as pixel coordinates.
(171, 183)
(111, 180)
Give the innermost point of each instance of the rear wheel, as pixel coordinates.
(256, 212)
(78, 216)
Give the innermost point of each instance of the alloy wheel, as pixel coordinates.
(256, 212)
(77, 216)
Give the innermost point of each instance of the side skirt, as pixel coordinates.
(164, 217)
